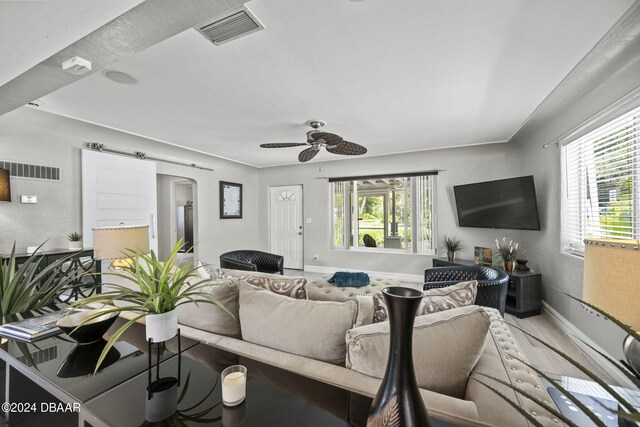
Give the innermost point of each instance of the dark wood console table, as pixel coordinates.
(80, 264)
(524, 295)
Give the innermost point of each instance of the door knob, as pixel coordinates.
(300, 233)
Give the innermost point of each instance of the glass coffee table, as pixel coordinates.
(60, 390)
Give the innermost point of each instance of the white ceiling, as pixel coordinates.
(393, 76)
(31, 31)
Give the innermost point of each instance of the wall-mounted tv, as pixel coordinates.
(505, 203)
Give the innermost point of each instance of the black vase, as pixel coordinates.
(398, 401)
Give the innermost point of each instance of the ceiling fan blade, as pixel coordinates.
(329, 138)
(283, 144)
(347, 148)
(308, 154)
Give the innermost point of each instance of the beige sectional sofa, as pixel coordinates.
(282, 346)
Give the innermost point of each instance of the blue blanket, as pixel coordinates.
(347, 279)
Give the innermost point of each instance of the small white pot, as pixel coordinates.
(75, 246)
(161, 327)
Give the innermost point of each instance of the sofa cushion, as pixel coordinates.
(314, 329)
(435, 300)
(211, 318)
(291, 286)
(446, 347)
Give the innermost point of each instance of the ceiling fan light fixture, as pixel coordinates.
(316, 138)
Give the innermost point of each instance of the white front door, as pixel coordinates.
(286, 224)
(117, 190)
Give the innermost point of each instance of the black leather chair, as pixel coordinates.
(492, 283)
(251, 260)
(369, 241)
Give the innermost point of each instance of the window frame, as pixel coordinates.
(608, 124)
(350, 193)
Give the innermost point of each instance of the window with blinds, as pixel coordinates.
(601, 184)
(383, 213)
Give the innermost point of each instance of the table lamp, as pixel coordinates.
(612, 283)
(5, 186)
(116, 243)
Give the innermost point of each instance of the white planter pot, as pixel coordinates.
(161, 327)
(75, 246)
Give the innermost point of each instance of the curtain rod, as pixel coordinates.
(142, 156)
(383, 176)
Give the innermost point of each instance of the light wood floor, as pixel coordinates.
(541, 357)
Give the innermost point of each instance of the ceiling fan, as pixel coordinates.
(316, 138)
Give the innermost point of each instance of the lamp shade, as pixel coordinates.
(111, 243)
(612, 278)
(5, 186)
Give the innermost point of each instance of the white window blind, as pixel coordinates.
(339, 190)
(424, 196)
(601, 184)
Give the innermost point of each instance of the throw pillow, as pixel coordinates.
(446, 348)
(291, 286)
(440, 299)
(314, 329)
(211, 318)
(212, 271)
(348, 279)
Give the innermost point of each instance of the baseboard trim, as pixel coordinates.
(416, 278)
(577, 336)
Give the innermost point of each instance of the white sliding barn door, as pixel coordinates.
(286, 224)
(118, 190)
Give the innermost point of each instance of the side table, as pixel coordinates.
(524, 294)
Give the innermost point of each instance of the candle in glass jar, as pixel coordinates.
(234, 385)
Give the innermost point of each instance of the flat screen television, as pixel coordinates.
(505, 203)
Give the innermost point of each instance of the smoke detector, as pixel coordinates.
(76, 65)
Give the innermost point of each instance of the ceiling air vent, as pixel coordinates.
(230, 27)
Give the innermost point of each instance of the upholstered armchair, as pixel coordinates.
(251, 260)
(492, 283)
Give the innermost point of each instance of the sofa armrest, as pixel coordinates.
(499, 360)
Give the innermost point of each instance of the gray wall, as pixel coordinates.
(460, 165)
(561, 114)
(31, 136)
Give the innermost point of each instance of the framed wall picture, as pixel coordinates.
(230, 200)
(482, 256)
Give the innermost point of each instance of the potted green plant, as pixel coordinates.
(157, 289)
(26, 288)
(452, 245)
(508, 252)
(75, 241)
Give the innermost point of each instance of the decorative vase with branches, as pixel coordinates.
(452, 245)
(508, 252)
